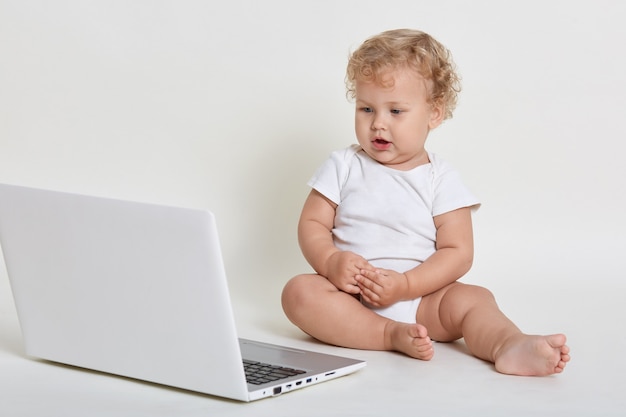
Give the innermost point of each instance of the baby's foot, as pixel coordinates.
(533, 355)
(411, 339)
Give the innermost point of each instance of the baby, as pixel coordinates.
(387, 225)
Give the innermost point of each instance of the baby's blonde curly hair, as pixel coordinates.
(406, 48)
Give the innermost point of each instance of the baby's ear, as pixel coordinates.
(437, 115)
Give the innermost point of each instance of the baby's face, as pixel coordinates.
(392, 123)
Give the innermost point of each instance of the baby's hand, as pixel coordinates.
(342, 268)
(382, 287)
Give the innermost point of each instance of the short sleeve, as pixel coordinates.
(450, 193)
(331, 176)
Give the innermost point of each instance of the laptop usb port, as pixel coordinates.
(278, 390)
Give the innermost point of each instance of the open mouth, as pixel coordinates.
(381, 144)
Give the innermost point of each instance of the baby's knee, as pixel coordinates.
(473, 292)
(291, 288)
(293, 285)
(295, 292)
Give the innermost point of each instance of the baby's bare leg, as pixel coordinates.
(317, 307)
(471, 312)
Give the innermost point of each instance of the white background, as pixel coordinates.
(232, 105)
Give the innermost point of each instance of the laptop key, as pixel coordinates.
(260, 373)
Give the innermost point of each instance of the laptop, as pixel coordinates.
(138, 290)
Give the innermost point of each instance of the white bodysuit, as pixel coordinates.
(386, 215)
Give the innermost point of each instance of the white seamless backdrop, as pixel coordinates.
(232, 105)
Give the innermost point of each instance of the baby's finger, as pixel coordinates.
(369, 296)
(367, 283)
(352, 289)
(363, 264)
(371, 276)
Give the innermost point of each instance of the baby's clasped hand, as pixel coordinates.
(342, 267)
(382, 287)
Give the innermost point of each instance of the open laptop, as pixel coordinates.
(138, 290)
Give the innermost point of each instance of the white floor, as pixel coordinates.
(453, 383)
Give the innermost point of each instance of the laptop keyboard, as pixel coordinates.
(258, 373)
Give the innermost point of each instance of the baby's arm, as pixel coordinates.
(315, 238)
(452, 259)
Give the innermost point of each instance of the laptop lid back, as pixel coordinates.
(127, 288)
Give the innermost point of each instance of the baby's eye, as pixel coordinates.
(367, 109)
(396, 111)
